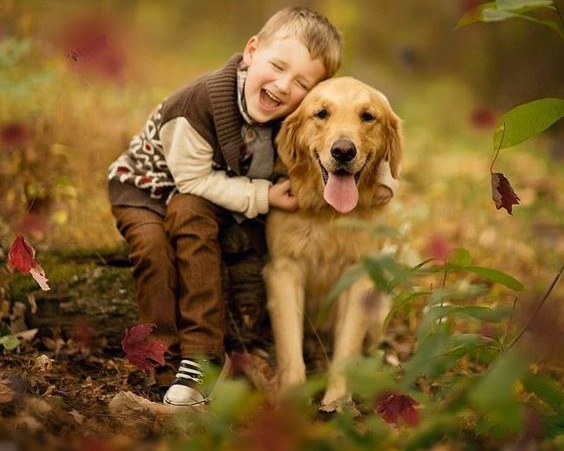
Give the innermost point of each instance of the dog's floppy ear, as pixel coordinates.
(393, 143)
(287, 140)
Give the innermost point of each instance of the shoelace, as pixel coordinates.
(190, 370)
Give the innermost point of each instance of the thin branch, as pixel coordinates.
(318, 339)
(538, 307)
(510, 321)
(498, 148)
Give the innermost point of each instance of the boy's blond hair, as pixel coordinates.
(320, 36)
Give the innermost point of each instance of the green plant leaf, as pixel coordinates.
(546, 389)
(401, 301)
(495, 275)
(519, 5)
(342, 284)
(10, 342)
(527, 120)
(460, 257)
(494, 395)
(485, 12)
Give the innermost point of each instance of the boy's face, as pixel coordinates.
(279, 75)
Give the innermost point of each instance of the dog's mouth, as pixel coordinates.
(340, 190)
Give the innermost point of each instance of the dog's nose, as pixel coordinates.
(343, 150)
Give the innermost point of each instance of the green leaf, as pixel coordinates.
(401, 301)
(490, 315)
(9, 342)
(460, 257)
(527, 120)
(485, 12)
(342, 284)
(494, 395)
(495, 275)
(367, 376)
(546, 389)
(519, 5)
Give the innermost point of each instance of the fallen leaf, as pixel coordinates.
(502, 192)
(141, 351)
(22, 258)
(6, 394)
(392, 406)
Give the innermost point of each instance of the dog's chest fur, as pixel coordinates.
(322, 249)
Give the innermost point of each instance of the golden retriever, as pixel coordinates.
(333, 147)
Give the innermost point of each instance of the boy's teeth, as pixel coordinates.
(272, 97)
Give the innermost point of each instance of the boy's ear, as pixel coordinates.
(288, 139)
(249, 51)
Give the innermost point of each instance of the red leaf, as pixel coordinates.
(392, 406)
(438, 247)
(142, 352)
(22, 258)
(502, 193)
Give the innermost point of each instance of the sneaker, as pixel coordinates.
(192, 386)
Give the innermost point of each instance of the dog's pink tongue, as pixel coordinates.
(340, 192)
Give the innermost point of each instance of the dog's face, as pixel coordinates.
(334, 142)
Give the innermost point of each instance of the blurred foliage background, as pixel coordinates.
(78, 79)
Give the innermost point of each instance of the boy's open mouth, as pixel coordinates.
(268, 99)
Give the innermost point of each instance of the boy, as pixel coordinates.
(203, 160)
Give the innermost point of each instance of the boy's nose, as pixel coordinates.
(283, 84)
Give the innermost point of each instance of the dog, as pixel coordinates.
(333, 147)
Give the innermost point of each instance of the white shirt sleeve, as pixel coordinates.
(384, 177)
(189, 158)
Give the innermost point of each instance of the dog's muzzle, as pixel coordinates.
(343, 151)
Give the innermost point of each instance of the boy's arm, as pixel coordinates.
(189, 158)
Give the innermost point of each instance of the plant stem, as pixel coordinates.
(498, 148)
(538, 307)
(510, 322)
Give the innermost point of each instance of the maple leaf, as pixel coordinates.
(141, 351)
(22, 258)
(502, 192)
(393, 406)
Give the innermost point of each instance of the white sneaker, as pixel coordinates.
(191, 386)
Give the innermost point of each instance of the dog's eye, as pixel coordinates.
(367, 117)
(322, 114)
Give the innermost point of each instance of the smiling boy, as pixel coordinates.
(204, 160)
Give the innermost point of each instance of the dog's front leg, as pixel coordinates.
(285, 294)
(351, 327)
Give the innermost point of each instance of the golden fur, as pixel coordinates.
(308, 252)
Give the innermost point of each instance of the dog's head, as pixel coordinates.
(334, 142)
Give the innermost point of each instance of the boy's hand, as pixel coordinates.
(280, 196)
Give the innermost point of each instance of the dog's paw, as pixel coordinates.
(344, 404)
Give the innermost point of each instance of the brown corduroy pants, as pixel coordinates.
(177, 269)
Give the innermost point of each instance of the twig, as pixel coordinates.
(498, 148)
(318, 339)
(510, 321)
(538, 307)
